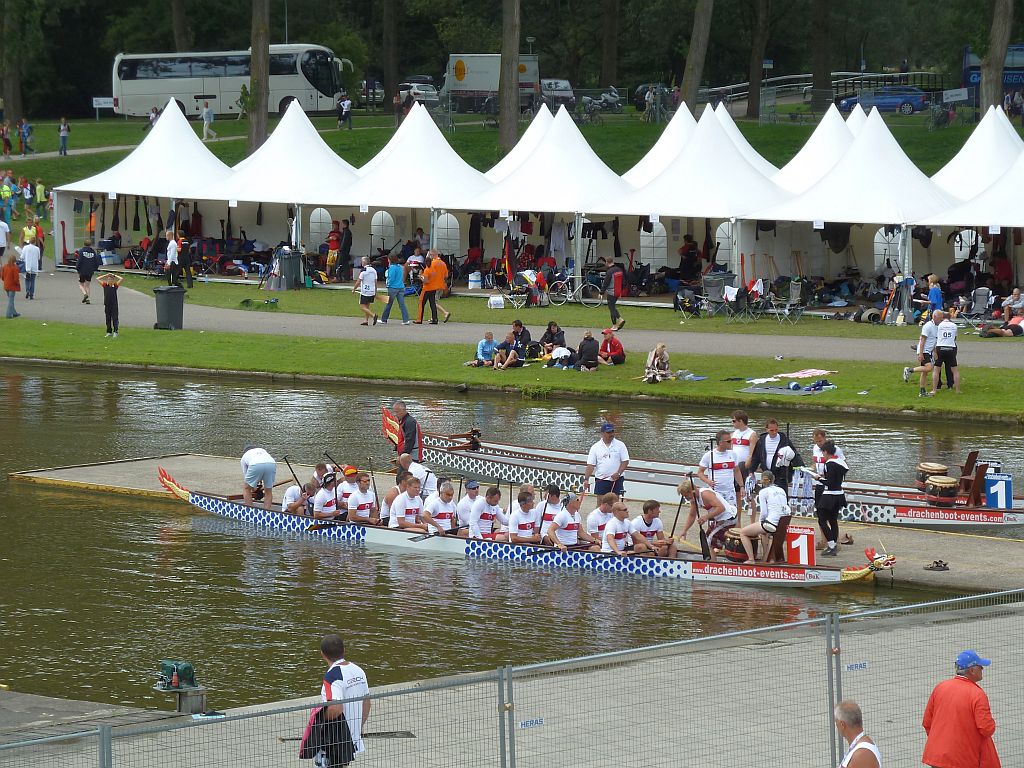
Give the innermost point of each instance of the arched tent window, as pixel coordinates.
(887, 246)
(963, 242)
(446, 234)
(319, 226)
(723, 236)
(654, 246)
(382, 230)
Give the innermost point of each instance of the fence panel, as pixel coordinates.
(891, 660)
(715, 702)
(80, 750)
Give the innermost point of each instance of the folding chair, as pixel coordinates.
(791, 307)
(977, 311)
(737, 306)
(712, 298)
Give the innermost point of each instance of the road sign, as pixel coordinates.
(954, 95)
(102, 102)
(799, 545)
(998, 490)
(768, 64)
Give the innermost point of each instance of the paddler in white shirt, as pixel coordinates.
(405, 509)
(551, 506)
(439, 511)
(649, 532)
(708, 506)
(598, 519)
(487, 516)
(618, 534)
(296, 499)
(566, 529)
(464, 509)
(524, 523)
(325, 503)
(362, 503)
(347, 486)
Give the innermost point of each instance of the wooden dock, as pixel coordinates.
(977, 562)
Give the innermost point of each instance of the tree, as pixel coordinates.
(508, 82)
(821, 71)
(179, 26)
(758, 46)
(993, 60)
(389, 45)
(610, 43)
(259, 73)
(697, 52)
(22, 38)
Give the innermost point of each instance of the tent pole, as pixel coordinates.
(297, 226)
(577, 269)
(433, 227)
(734, 255)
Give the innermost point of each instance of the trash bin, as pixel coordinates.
(290, 265)
(170, 305)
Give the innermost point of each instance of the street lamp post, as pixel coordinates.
(530, 41)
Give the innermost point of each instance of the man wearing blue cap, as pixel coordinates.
(607, 461)
(958, 719)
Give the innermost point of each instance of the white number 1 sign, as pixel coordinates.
(800, 545)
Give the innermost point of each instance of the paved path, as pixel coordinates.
(58, 299)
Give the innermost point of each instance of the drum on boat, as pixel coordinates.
(927, 469)
(941, 491)
(734, 547)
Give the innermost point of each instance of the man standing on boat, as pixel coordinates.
(775, 453)
(725, 475)
(257, 466)
(409, 437)
(428, 480)
(607, 461)
(958, 719)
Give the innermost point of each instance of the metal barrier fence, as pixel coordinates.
(725, 700)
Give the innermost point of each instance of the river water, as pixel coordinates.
(97, 589)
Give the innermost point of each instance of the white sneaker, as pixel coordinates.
(107, 336)
(115, 334)
(906, 375)
(407, 322)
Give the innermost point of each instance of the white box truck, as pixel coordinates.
(471, 81)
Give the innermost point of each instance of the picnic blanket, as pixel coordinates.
(762, 390)
(806, 373)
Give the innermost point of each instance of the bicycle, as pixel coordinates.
(517, 295)
(938, 117)
(590, 114)
(586, 293)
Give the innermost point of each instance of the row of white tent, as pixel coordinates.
(851, 171)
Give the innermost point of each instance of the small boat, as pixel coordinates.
(760, 574)
(890, 504)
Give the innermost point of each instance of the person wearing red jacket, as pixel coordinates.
(611, 352)
(958, 719)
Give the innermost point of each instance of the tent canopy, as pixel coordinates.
(563, 175)
(709, 177)
(766, 169)
(856, 119)
(829, 142)
(294, 165)
(416, 169)
(664, 151)
(523, 150)
(171, 162)
(991, 148)
(873, 183)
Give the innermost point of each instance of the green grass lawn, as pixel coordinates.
(474, 310)
(990, 393)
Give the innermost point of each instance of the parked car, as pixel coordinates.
(904, 99)
(372, 93)
(420, 79)
(640, 95)
(555, 93)
(421, 92)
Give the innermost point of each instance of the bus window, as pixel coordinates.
(153, 69)
(319, 71)
(282, 63)
(126, 69)
(208, 66)
(236, 66)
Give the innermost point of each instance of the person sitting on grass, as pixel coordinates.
(552, 337)
(657, 368)
(1012, 327)
(587, 353)
(484, 352)
(506, 355)
(611, 351)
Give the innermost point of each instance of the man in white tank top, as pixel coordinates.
(862, 752)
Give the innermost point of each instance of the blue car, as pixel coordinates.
(890, 98)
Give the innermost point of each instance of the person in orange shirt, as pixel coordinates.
(12, 283)
(435, 280)
(958, 719)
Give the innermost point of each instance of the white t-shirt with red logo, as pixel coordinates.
(485, 520)
(325, 502)
(742, 439)
(405, 506)
(722, 464)
(596, 523)
(522, 523)
(360, 504)
(649, 530)
(568, 530)
(443, 512)
(621, 531)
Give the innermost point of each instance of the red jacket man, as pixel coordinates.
(958, 720)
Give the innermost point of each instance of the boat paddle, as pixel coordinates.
(337, 469)
(294, 476)
(373, 480)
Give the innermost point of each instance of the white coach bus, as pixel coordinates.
(310, 74)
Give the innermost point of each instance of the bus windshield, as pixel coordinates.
(319, 69)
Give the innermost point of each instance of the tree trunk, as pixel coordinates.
(610, 43)
(508, 83)
(758, 46)
(389, 46)
(259, 74)
(179, 26)
(10, 61)
(992, 62)
(821, 71)
(698, 51)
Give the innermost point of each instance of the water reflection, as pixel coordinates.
(129, 582)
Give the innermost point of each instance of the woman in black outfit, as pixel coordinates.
(553, 337)
(832, 499)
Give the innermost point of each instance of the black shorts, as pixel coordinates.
(945, 356)
(366, 299)
(1016, 330)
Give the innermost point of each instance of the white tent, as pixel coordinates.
(873, 183)
(737, 138)
(522, 152)
(563, 176)
(171, 162)
(829, 142)
(998, 205)
(418, 169)
(709, 178)
(294, 166)
(990, 150)
(664, 151)
(856, 119)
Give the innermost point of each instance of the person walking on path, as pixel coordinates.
(33, 258)
(207, 116)
(366, 287)
(343, 681)
(925, 349)
(11, 277)
(86, 265)
(945, 356)
(958, 719)
(63, 132)
(344, 111)
(5, 233)
(110, 282)
(435, 281)
(862, 752)
(613, 288)
(395, 282)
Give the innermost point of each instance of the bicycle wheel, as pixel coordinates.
(591, 295)
(596, 119)
(558, 293)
